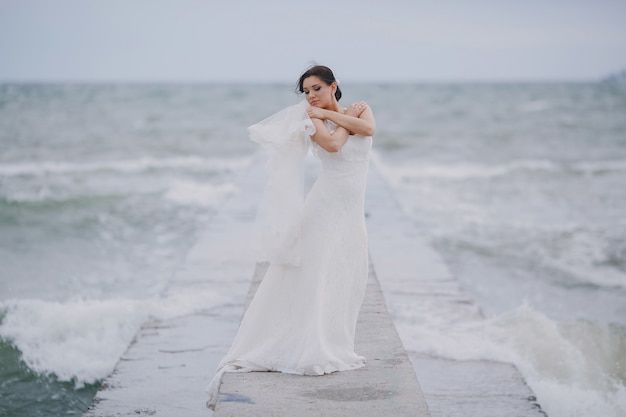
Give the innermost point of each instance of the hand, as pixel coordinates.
(316, 113)
(355, 109)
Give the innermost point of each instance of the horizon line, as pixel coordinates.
(248, 81)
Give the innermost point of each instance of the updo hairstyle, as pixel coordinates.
(324, 73)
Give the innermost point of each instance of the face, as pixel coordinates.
(317, 92)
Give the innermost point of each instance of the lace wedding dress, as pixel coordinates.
(303, 316)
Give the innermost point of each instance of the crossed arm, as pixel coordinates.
(358, 119)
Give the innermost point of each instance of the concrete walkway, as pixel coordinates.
(166, 368)
(385, 386)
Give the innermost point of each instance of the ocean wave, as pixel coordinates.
(81, 341)
(124, 166)
(585, 260)
(461, 171)
(192, 193)
(188, 193)
(571, 366)
(43, 198)
(568, 257)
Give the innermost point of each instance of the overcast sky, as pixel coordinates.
(274, 40)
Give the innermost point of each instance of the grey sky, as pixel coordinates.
(274, 40)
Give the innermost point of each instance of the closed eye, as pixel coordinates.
(316, 88)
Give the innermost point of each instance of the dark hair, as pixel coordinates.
(324, 73)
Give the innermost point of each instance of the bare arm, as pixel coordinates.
(358, 119)
(332, 142)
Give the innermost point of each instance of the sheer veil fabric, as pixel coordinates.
(279, 216)
(303, 316)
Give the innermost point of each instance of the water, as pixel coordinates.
(521, 188)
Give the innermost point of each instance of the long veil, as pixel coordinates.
(277, 228)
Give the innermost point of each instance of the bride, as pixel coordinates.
(303, 316)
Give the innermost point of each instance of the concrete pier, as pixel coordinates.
(385, 386)
(170, 362)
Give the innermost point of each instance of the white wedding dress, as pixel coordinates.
(302, 318)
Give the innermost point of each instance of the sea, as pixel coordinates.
(520, 187)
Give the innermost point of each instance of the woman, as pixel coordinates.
(303, 316)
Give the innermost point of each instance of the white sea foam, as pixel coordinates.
(124, 166)
(405, 173)
(459, 171)
(183, 192)
(191, 193)
(81, 341)
(584, 255)
(569, 366)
